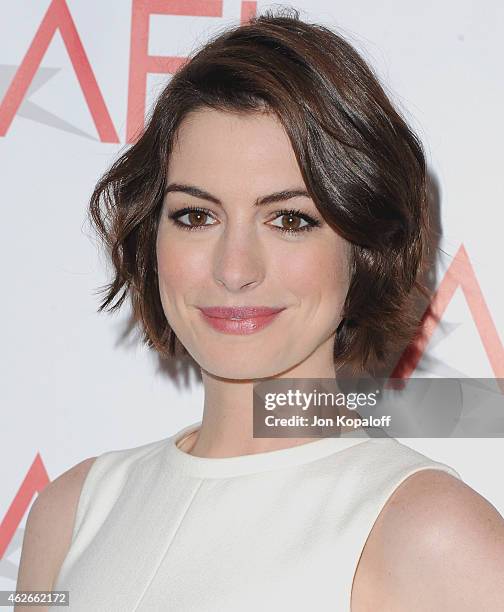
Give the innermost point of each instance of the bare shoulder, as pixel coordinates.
(436, 545)
(48, 531)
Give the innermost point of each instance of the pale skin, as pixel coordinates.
(241, 258)
(437, 545)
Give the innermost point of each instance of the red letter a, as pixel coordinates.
(58, 18)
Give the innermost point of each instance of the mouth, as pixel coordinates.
(239, 319)
(239, 312)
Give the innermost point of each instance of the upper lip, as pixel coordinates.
(238, 312)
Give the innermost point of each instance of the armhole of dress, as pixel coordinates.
(82, 503)
(84, 494)
(102, 465)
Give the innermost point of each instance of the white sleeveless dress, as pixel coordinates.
(158, 529)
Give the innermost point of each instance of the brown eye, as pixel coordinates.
(197, 218)
(290, 222)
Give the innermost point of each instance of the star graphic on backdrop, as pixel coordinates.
(31, 110)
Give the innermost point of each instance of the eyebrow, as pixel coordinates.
(278, 196)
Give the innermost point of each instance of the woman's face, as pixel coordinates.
(237, 253)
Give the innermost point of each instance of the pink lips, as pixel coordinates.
(239, 320)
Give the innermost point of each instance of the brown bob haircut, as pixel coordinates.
(362, 165)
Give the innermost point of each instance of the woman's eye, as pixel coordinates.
(291, 221)
(196, 218)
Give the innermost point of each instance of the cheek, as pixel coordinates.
(180, 266)
(320, 273)
(337, 274)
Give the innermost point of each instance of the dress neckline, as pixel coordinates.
(225, 467)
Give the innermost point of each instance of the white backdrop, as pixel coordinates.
(76, 383)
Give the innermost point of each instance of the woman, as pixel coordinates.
(270, 221)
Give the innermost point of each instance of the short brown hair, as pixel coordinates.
(362, 165)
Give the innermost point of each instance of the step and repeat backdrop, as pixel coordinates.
(76, 80)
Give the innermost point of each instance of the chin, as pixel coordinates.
(237, 373)
(241, 371)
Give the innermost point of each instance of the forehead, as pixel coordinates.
(246, 148)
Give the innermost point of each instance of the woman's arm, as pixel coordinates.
(437, 545)
(48, 531)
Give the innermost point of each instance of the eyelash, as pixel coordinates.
(280, 213)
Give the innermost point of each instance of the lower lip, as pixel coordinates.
(241, 326)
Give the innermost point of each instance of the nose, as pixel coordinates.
(238, 260)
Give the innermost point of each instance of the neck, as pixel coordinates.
(227, 423)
